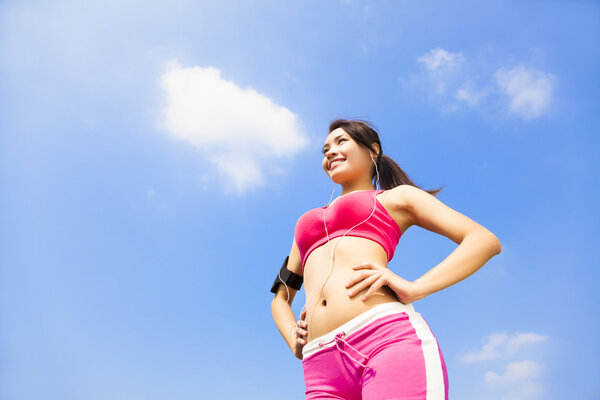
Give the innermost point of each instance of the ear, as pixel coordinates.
(375, 148)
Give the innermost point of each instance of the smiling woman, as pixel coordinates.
(359, 336)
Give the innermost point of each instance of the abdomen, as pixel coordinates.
(329, 306)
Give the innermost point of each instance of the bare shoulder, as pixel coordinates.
(409, 197)
(397, 196)
(398, 200)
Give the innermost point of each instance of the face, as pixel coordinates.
(344, 159)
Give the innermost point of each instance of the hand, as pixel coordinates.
(300, 334)
(376, 276)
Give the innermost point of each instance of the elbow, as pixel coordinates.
(492, 241)
(489, 241)
(498, 249)
(496, 245)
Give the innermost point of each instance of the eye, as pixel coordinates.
(339, 141)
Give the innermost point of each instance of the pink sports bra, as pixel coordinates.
(345, 212)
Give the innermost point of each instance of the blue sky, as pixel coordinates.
(154, 158)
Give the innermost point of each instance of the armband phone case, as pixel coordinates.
(291, 279)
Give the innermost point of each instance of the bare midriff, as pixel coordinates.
(330, 306)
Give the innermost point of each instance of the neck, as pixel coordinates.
(352, 187)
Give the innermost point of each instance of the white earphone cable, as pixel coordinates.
(333, 249)
(295, 326)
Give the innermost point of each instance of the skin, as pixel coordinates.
(360, 278)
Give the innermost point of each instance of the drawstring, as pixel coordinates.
(340, 338)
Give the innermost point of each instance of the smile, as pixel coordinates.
(335, 163)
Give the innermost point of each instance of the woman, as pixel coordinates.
(359, 336)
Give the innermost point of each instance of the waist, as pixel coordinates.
(355, 324)
(335, 307)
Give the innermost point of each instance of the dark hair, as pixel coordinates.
(365, 134)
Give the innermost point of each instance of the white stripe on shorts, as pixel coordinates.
(436, 389)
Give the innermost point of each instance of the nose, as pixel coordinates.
(331, 153)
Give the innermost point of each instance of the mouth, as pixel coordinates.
(335, 163)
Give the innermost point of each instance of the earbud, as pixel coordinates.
(371, 153)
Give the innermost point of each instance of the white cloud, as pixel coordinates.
(239, 131)
(525, 391)
(501, 344)
(442, 68)
(439, 59)
(450, 79)
(529, 91)
(515, 372)
(518, 381)
(520, 340)
(489, 350)
(470, 95)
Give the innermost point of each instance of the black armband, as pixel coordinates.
(288, 277)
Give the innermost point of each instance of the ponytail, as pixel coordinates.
(391, 175)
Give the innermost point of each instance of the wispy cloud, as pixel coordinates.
(518, 381)
(239, 131)
(489, 350)
(524, 391)
(529, 91)
(442, 68)
(470, 95)
(520, 340)
(515, 372)
(502, 344)
(450, 80)
(440, 59)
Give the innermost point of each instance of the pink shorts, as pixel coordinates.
(385, 353)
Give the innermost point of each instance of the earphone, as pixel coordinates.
(296, 324)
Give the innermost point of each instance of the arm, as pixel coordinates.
(282, 311)
(477, 245)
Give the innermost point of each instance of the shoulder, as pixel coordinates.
(400, 196)
(428, 212)
(408, 200)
